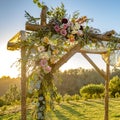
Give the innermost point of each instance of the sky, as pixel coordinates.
(105, 14)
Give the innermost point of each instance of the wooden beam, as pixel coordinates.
(101, 37)
(92, 52)
(94, 65)
(106, 103)
(36, 27)
(43, 15)
(33, 27)
(66, 57)
(92, 36)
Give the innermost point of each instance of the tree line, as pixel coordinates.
(71, 81)
(67, 82)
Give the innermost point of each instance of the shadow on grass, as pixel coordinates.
(116, 116)
(75, 104)
(60, 116)
(88, 103)
(71, 110)
(98, 102)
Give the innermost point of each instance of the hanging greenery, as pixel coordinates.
(45, 47)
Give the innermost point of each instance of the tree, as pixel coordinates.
(12, 94)
(71, 81)
(114, 86)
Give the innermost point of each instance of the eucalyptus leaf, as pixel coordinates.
(41, 98)
(39, 115)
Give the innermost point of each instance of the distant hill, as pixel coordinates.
(6, 81)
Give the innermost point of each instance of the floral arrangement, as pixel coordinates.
(46, 47)
(71, 30)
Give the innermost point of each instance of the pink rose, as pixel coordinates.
(43, 62)
(57, 28)
(63, 32)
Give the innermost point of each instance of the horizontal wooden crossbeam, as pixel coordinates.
(102, 37)
(92, 36)
(33, 27)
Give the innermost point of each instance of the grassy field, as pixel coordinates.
(73, 110)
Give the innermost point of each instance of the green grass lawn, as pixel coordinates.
(74, 110)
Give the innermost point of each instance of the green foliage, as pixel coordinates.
(58, 98)
(80, 110)
(91, 91)
(115, 72)
(117, 94)
(71, 81)
(114, 86)
(66, 97)
(2, 102)
(12, 95)
(75, 97)
(39, 4)
(31, 19)
(6, 81)
(57, 13)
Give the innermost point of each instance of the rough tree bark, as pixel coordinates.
(23, 84)
(106, 115)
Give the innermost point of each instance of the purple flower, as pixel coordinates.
(57, 28)
(63, 32)
(43, 62)
(64, 20)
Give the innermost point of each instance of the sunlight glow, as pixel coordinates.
(78, 61)
(7, 61)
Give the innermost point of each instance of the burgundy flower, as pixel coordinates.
(64, 20)
(81, 27)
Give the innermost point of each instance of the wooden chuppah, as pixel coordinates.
(14, 44)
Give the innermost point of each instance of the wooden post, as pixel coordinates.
(106, 77)
(41, 95)
(23, 84)
(23, 79)
(106, 116)
(43, 15)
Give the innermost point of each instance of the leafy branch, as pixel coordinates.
(31, 19)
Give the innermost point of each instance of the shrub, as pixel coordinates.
(92, 91)
(114, 86)
(2, 102)
(67, 97)
(117, 95)
(12, 95)
(76, 97)
(58, 98)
